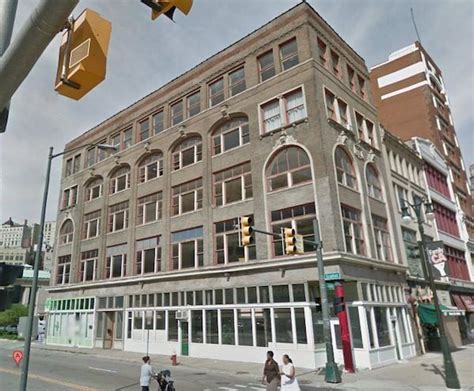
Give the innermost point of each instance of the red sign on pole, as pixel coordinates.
(17, 356)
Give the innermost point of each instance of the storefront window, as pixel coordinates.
(355, 327)
(252, 294)
(229, 296)
(172, 326)
(244, 322)
(300, 326)
(196, 326)
(160, 320)
(138, 320)
(211, 327)
(317, 318)
(383, 333)
(219, 297)
(118, 325)
(281, 294)
(148, 320)
(401, 325)
(283, 328)
(263, 327)
(368, 313)
(100, 325)
(227, 327)
(264, 294)
(298, 292)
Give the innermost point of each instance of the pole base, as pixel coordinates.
(331, 373)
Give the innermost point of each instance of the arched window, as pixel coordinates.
(94, 189)
(230, 135)
(187, 152)
(345, 169)
(120, 179)
(374, 188)
(66, 232)
(150, 167)
(289, 167)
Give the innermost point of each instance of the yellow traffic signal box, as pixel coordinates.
(83, 55)
(289, 240)
(169, 6)
(246, 230)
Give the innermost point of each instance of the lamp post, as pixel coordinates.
(451, 376)
(34, 284)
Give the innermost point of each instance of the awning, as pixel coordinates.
(458, 301)
(428, 315)
(468, 302)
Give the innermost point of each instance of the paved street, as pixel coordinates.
(54, 369)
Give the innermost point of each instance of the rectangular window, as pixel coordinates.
(266, 66)
(176, 113)
(187, 197)
(68, 170)
(457, 266)
(356, 330)
(322, 52)
(382, 238)
(196, 326)
(361, 84)
(118, 217)
(283, 327)
(237, 81)
(158, 123)
(91, 225)
(120, 180)
(148, 256)
(216, 92)
(300, 326)
(233, 185)
(361, 131)
(263, 327)
(231, 135)
(289, 54)
(172, 326)
(383, 333)
(437, 180)
(193, 104)
(150, 208)
(353, 231)
(412, 251)
(63, 270)
(116, 142)
(94, 190)
(335, 64)
(187, 248)
(228, 249)
(351, 78)
(446, 219)
(89, 261)
(144, 129)
(212, 334)
(330, 105)
(300, 218)
(116, 261)
(69, 197)
(127, 138)
(283, 111)
(244, 324)
(343, 114)
(227, 327)
(90, 157)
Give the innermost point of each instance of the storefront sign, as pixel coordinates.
(436, 258)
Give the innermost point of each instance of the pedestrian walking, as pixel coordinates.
(271, 373)
(146, 374)
(289, 382)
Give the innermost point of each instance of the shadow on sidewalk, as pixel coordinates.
(434, 369)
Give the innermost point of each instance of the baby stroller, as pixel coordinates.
(164, 381)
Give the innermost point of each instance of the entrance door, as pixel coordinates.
(109, 330)
(336, 341)
(184, 339)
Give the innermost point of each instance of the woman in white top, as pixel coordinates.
(288, 375)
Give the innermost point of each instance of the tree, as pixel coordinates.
(11, 316)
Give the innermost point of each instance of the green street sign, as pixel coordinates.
(332, 276)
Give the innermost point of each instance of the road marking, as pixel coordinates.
(228, 389)
(258, 388)
(240, 386)
(49, 380)
(103, 370)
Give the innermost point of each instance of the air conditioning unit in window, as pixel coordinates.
(182, 315)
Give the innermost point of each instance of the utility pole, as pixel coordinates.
(7, 20)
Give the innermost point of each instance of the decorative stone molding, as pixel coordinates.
(181, 131)
(225, 111)
(342, 138)
(284, 139)
(117, 160)
(147, 146)
(358, 151)
(371, 157)
(91, 171)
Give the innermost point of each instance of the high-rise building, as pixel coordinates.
(279, 126)
(412, 101)
(15, 242)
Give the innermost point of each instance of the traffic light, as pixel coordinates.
(246, 231)
(289, 240)
(167, 7)
(83, 55)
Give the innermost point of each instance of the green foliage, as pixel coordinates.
(10, 316)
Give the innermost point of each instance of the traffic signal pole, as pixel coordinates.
(332, 373)
(46, 20)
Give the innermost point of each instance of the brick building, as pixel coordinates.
(281, 126)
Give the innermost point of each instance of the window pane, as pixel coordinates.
(187, 157)
(160, 320)
(281, 294)
(196, 326)
(227, 327)
(263, 327)
(187, 254)
(252, 294)
(187, 202)
(383, 333)
(231, 139)
(172, 326)
(138, 320)
(283, 328)
(211, 327)
(317, 317)
(233, 189)
(355, 327)
(264, 294)
(229, 296)
(298, 292)
(244, 322)
(300, 326)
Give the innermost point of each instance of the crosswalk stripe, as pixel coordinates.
(240, 386)
(228, 389)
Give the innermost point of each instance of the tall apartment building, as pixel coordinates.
(280, 126)
(412, 101)
(14, 242)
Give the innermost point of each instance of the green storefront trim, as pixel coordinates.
(428, 314)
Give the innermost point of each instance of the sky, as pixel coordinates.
(145, 54)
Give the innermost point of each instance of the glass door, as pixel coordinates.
(184, 339)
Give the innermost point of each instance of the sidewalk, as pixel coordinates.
(422, 373)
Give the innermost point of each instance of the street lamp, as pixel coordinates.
(451, 376)
(34, 284)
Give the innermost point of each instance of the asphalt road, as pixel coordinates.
(63, 371)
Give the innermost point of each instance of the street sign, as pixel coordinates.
(17, 357)
(332, 276)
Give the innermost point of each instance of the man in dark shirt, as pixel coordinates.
(271, 373)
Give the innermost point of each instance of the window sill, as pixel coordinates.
(93, 237)
(189, 165)
(234, 203)
(118, 192)
(114, 232)
(382, 201)
(150, 180)
(282, 128)
(186, 214)
(148, 223)
(93, 199)
(230, 150)
(348, 188)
